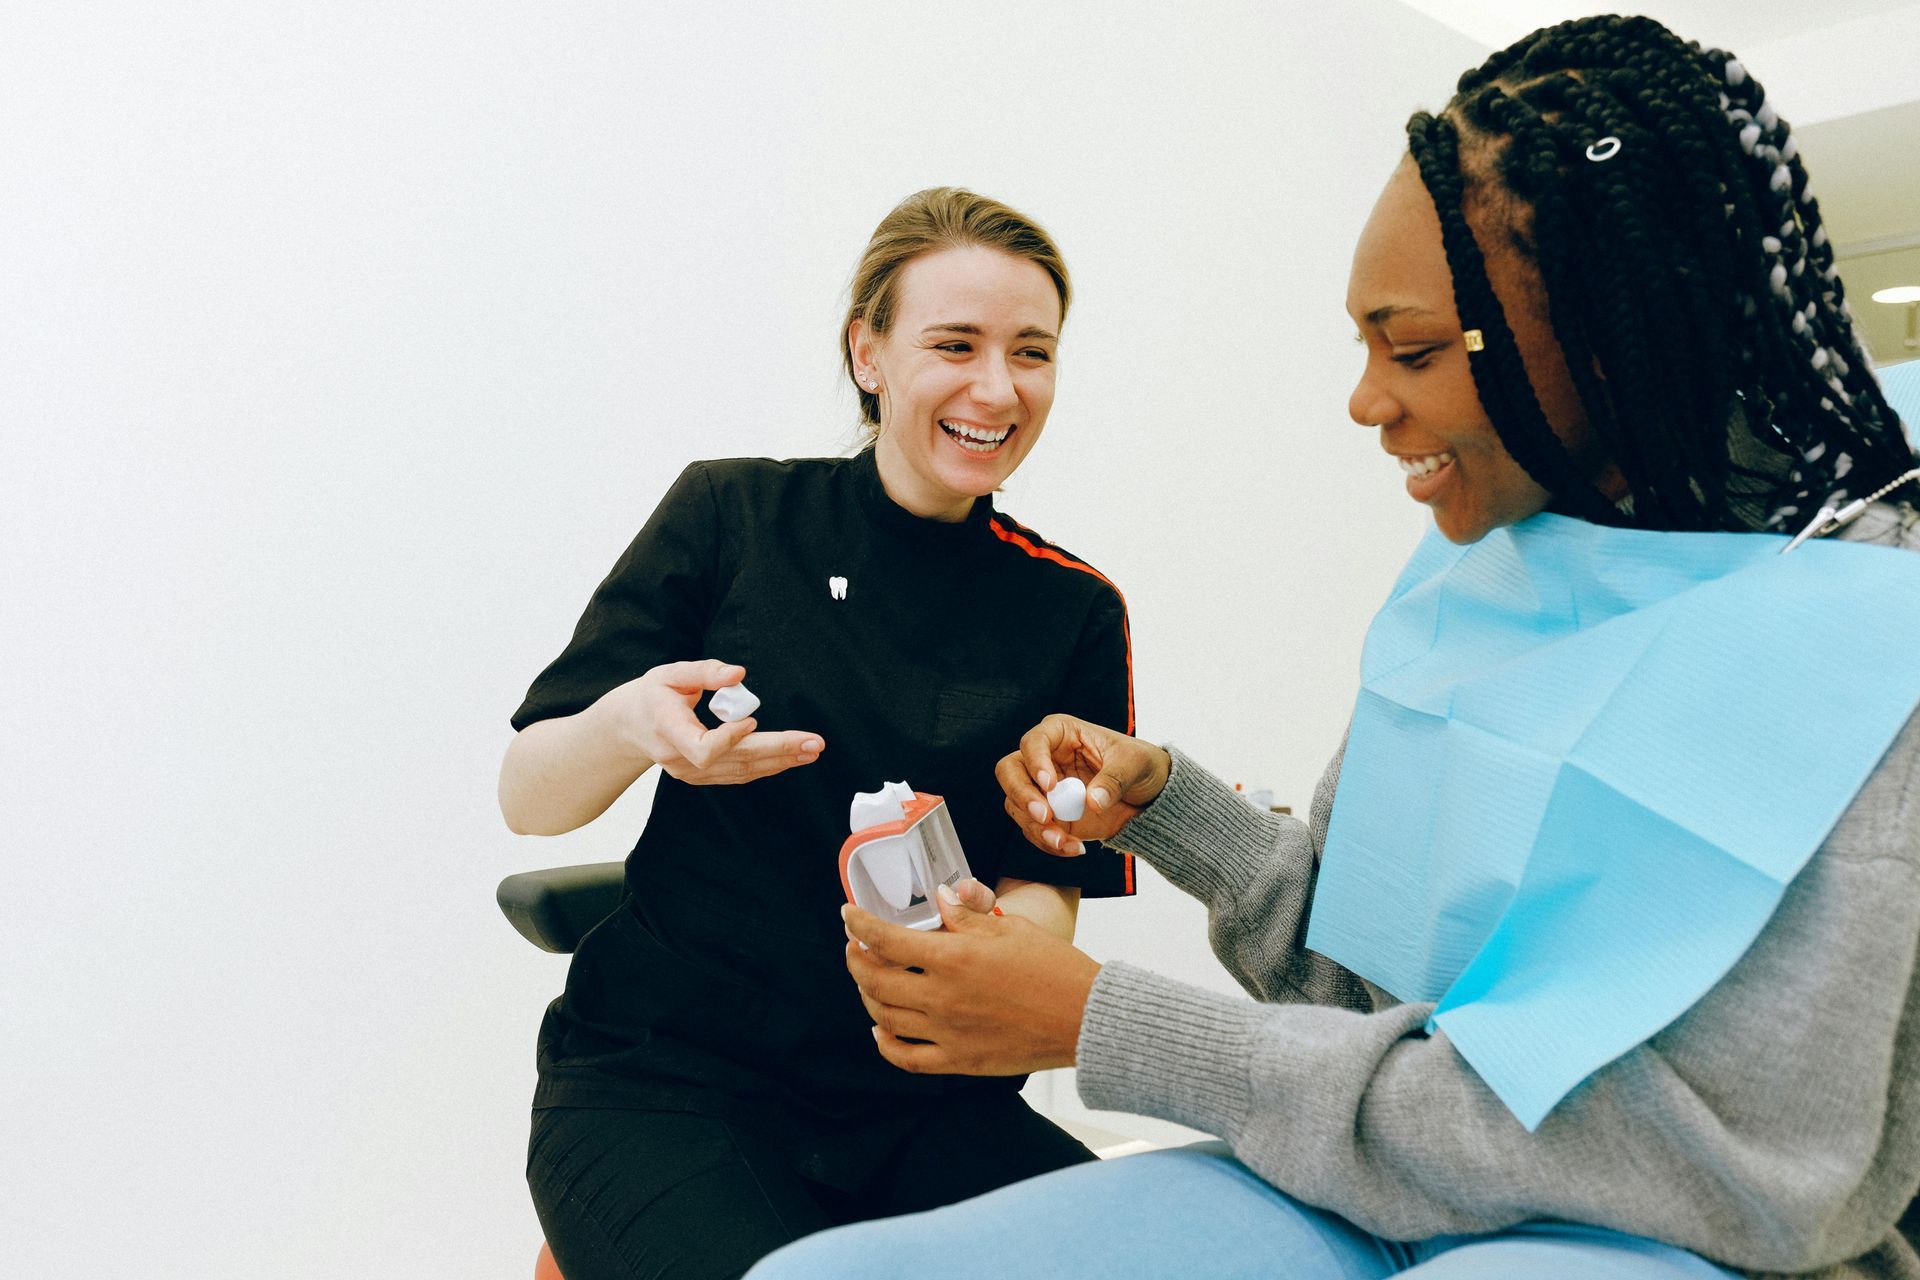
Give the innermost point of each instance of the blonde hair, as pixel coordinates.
(925, 222)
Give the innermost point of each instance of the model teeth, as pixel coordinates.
(975, 438)
(1425, 466)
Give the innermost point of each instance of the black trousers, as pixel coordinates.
(626, 1195)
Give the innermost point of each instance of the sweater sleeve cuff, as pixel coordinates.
(1201, 834)
(1156, 1046)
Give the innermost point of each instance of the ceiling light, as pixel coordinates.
(1907, 295)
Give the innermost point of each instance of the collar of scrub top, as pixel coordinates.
(1584, 765)
(897, 520)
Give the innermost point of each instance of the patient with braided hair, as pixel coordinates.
(1598, 954)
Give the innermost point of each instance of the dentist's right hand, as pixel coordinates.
(560, 774)
(1123, 776)
(655, 715)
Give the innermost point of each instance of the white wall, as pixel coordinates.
(1820, 62)
(343, 347)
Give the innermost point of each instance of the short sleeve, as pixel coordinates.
(1098, 686)
(653, 608)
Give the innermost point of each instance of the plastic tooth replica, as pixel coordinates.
(902, 847)
(735, 702)
(892, 876)
(1068, 799)
(871, 808)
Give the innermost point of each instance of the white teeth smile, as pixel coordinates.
(976, 439)
(1425, 466)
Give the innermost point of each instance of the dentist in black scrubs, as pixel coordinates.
(709, 1087)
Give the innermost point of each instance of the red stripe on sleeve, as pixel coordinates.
(1016, 538)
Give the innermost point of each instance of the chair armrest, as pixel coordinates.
(554, 908)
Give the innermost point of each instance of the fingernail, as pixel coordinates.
(1098, 797)
(1038, 809)
(1054, 838)
(1076, 847)
(811, 744)
(948, 896)
(843, 911)
(1045, 780)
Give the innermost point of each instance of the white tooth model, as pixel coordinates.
(903, 847)
(891, 871)
(1068, 799)
(735, 702)
(871, 808)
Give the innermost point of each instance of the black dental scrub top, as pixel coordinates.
(720, 985)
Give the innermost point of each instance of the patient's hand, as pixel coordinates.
(1123, 776)
(975, 896)
(987, 996)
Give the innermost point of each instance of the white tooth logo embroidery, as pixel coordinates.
(837, 587)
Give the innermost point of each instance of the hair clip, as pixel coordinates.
(1831, 518)
(1475, 340)
(1605, 149)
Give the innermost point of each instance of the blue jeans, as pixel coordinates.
(1195, 1212)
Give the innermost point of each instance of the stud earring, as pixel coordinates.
(1475, 340)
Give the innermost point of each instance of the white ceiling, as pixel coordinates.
(1842, 71)
(1739, 27)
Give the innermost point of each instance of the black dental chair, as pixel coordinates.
(553, 909)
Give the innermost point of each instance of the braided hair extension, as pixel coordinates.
(1689, 278)
(1498, 373)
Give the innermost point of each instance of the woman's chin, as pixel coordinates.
(977, 476)
(1462, 527)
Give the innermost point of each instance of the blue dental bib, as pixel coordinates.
(1584, 765)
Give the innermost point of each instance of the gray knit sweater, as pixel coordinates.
(1774, 1128)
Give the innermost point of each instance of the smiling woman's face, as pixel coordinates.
(965, 376)
(1417, 387)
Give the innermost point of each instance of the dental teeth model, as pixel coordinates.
(902, 849)
(891, 872)
(1068, 799)
(871, 808)
(735, 702)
